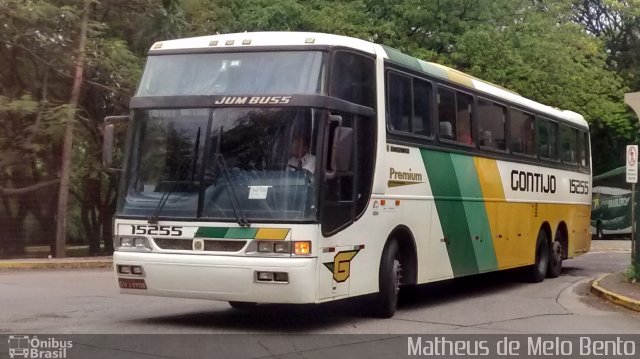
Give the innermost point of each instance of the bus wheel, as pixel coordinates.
(537, 272)
(555, 257)
(389, 282)
(242, 305)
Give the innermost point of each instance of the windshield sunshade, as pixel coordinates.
(282, 72)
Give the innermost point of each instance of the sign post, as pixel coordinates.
(633, 100)
(632, 177)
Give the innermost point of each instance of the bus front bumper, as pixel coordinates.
(226, 278)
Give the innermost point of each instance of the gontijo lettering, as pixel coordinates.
(532, 182)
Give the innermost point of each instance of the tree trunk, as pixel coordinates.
(65, 173)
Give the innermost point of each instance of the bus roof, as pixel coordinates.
(255, 39)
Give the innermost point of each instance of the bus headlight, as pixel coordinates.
(296, 248)
(128, 243)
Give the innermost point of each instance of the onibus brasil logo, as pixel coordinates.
(24, 346)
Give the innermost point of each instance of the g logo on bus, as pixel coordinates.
(341, 265)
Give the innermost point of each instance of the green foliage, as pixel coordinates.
(632, 274)
(580, 55)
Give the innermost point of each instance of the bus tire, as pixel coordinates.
(555, 257)
(386, 301)
(242, 305)
(538, 271)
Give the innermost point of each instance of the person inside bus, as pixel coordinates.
(301, 158)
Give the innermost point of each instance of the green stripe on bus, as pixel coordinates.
(451, 211)
(403, 59)
(476, 213)
(211, 232)
(241, 233)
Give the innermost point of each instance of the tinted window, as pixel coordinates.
(399, 95)
(492, 122)
(278, 72)
(353, 78)
(464, 106)
(454, 115)
(421, 107)
(569, 141)
(522, 132)
(548, 138)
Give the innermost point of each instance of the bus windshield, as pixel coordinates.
(265, 73)
(222, 163)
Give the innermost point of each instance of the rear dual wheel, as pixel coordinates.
(555, 257)
(538, 271)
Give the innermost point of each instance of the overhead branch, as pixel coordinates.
(59, 72)
(27, 189)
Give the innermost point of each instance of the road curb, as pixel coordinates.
(55, 264)
(613, 297)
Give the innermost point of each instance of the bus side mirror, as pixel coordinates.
(107, 138)
(341, 148)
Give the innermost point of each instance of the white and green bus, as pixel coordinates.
(285, 167)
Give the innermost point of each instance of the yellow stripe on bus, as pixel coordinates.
(272, 233)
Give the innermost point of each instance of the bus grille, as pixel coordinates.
(209, 245)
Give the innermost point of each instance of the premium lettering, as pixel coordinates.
(532, 182)
(404, 176)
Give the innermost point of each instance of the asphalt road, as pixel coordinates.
(87, 301)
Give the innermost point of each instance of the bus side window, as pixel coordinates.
(399, 100)
(353, 78)
(421, 107)
(522, 129)
(492, 122)
(569, 140)
(447, 114)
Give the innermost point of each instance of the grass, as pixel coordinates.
(632, 274)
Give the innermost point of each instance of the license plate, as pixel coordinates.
(127, 283)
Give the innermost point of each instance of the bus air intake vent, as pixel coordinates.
(174, 243)
(209, 245)
(223, 246)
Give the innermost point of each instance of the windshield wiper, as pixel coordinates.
(241, 218)
(235, 203)
(187, 164)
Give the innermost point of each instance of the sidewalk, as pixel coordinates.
(615, 289)
(57, 263)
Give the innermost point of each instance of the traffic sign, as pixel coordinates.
(632, 164)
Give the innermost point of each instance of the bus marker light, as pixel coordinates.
(383, 202)
(229, 42)
(302, 247)
(397, 202)
(281, 277)
(213, 43)
(309, 40)
(246, 42)
(157, 45)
